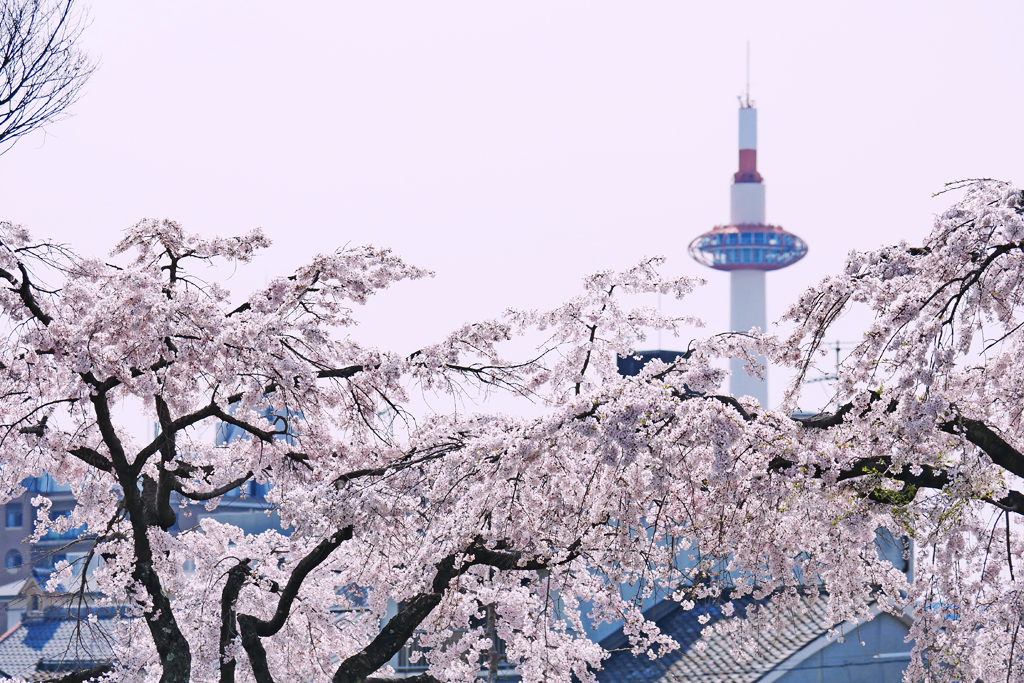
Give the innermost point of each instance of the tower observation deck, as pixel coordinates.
(748, 247)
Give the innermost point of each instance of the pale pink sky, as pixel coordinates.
(513, 147)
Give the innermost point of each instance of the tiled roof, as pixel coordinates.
(61, 643)
(717, 662)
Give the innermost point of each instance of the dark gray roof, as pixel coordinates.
(59, 643)
(716, 663)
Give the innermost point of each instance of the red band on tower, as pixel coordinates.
(748, 167)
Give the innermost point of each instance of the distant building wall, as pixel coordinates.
(882, 659)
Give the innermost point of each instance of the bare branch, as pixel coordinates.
(82, 676)
(42, 69)
(91, 457)
(210, 495)
(982, 436)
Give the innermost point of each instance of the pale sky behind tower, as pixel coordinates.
(515, 147)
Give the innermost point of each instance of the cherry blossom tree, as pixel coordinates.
(660, 480)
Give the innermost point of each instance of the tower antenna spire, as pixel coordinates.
(747, 104)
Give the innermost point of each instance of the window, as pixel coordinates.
(45, 484)
(70, 534)
(48, 561)
(14, 515)
(14, 560)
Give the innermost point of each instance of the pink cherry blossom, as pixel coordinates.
(660, 481)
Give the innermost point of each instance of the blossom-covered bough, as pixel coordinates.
(484, 526)
(930, 422)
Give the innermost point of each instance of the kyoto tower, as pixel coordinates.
(747, 248)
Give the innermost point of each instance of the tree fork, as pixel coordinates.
(164, 513)
(253, 630)
(171, 645)
(228, 631)
(400, 629)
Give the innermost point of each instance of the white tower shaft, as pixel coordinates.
(747, 292)
(747, 310)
